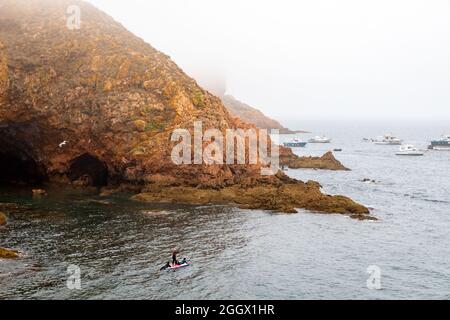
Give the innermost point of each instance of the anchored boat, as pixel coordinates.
(320, 139)
(409, 150)
(295, 143)
(441, 144)
(389, 140)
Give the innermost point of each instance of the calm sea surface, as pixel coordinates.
(119, 245)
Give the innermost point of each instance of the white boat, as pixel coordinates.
(389, 140)
(409, 150)
(320, 139)
(295, 143)
(441, 144)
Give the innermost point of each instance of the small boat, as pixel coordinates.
(184, 263)
(178, 266)
(337, 150)
(320, 139)
(295, 143)
(409, 150)
(442, 144)
(389, 140)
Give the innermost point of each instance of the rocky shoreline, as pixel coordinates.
(277, 194)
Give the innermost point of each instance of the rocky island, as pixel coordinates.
(325, 162)
(96, 107)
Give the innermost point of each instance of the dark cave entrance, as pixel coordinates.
(87, 170)
(17, 167)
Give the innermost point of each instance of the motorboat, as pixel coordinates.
(388, 139)
(409, 150)
(295, 143)
(441, 144)
(320, 139)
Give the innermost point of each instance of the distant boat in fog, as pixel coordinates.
(295, 143)
(388, 139)
(442, 143)
(409, 150)
(320, 139)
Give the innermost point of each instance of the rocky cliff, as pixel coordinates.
(96, 106)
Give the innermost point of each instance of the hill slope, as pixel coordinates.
(252, 115)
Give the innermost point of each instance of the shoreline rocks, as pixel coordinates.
(278, 195)
(326, 162)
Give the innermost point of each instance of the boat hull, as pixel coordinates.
(314, 141)
(413, 154)
(439, 147)
(381, 143)
(295, 144)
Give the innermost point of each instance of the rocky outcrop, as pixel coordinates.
(8, 254)
(326, 162)
(252, 115)
(3, 219)
(280, 194)
(96, 106)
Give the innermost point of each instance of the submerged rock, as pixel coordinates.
(326, 162)
(38, 193)
(8, 254)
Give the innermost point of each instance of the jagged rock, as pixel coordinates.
(262, 194)
(8, 254)
(326, 162)
(116, 100)
(3, 219)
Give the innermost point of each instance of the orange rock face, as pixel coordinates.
(96, 106)
(98, 91)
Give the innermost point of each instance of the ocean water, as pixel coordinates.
(120, 245)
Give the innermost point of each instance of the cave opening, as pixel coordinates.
(17, 167)
(87, 170)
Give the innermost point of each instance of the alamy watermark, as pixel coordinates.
(234, 146)
(73, 17)
(74, 280)
(374, 280)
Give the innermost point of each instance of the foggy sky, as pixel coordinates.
(307, 59)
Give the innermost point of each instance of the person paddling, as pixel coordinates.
(174, 257)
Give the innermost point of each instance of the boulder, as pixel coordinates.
(3, 219)
(8, 254)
